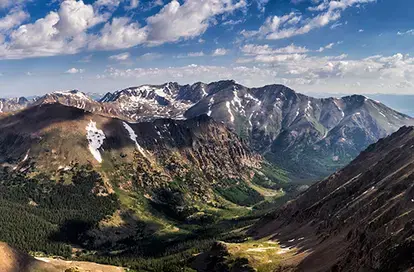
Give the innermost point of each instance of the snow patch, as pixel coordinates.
(229, 110)
(210, 104)
(296, 116)
(339, 108)
(160, 92)
(133, 136)
(95, 138)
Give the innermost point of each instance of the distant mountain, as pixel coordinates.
(13, 104)
(359, 219)
(399, 102)
(147, 102)
(308, 137)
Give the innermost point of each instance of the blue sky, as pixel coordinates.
(321, 46)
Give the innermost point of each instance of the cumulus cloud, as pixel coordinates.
(61, 32)
(75, 71)
(69, 29)
(219, 52)
(188, 20)
(13, 19)
(119, 34)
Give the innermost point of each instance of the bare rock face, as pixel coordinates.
(359, 218)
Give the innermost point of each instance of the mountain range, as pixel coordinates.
(149, 176)
(308, 137)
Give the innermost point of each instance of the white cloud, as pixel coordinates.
(338, 24)
(120, 57)
(119, 34)
(133, 4)
(13, 19)
(9, 3)
(219, 52)
(338, 71)
(69, 29)
(328, 46)
(191, 55)
(361, 30)
(76, 17)
(253, 49)
(75, 71)
(408, 32)
(188, 20)
(261, 4)
(107, 3)
(150, 56)
(61, 32)
(196, 54)
(188, 74)
(278, 58)
(293, 24)
(233, 22)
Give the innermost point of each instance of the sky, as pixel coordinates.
(312, 46)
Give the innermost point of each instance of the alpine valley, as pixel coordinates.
(205, 177)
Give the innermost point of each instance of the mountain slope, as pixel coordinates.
(359, 219)
(308, 137)
(163, 173)
(51, 137)
(12, 260)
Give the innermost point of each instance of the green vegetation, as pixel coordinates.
(237, 191)
(37, 214)
(159, 228)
